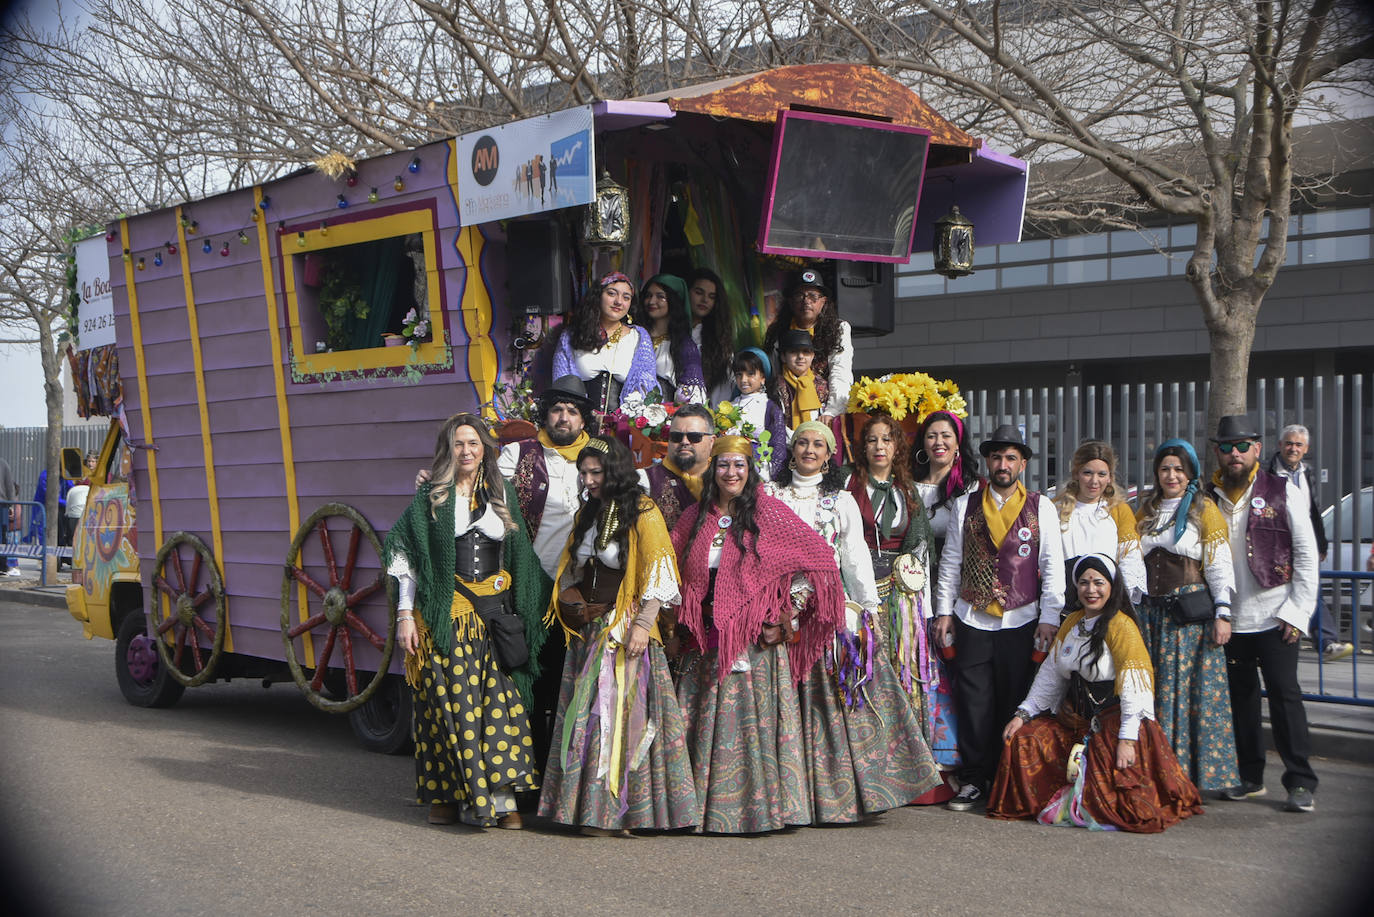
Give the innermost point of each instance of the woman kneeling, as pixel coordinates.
(1066, 769)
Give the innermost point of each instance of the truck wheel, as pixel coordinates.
(142, 678)
(382, 722)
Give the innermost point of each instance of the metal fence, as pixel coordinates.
(1136, 418)
(23, 448)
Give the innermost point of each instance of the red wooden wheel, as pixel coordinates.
(186, 574)
(330, 580)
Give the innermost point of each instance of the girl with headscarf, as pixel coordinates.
(761, 599)
(1183, 539)
(864, 745)
(1100, 761)
(619, 758)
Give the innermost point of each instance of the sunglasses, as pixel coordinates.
(1241, 447)
(677, 437)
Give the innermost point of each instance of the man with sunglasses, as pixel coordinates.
(675, 483)
(1276, 586)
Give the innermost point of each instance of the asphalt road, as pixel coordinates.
(244, 801)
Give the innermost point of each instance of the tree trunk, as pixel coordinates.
(1231, 339)
(52, 395)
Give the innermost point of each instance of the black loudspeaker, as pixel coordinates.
(537, 271)
(864, 295)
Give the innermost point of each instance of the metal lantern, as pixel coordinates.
(608, 216)
(953, 245)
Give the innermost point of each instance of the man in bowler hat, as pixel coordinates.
(1000, 595)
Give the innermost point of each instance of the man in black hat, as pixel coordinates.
(1276, 587)
(1000, 595)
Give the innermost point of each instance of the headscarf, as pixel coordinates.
(1194, 483)
(815, 426)
(614, 277)
(1099, 562)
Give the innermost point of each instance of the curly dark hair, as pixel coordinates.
(968, 462)
(679, 318)
(717, 332)
(584, 326)
(742, 516)
(825, 335)
(901, 471)
(620, 486)
(1117, 603)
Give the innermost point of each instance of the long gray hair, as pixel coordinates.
(493, 489)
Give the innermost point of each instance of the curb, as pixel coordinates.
(35, 595)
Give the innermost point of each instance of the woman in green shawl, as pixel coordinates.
(460, 543)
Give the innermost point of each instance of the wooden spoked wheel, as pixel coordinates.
(185, 572)
(331, 584)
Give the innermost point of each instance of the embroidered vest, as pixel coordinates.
(669, 492)
(860, 494)
(531, 481)
(1268, 541)
(1009, 575)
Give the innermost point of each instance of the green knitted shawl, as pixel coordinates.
(428, 545)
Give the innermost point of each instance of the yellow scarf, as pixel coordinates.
(1000, 522)
(570, 451)
(1130, 658)
(693, 481)
(806, 403)
(1234, 493)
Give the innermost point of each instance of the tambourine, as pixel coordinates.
(908, 573)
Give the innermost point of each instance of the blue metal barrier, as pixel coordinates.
(19, 544)
(1341, 583)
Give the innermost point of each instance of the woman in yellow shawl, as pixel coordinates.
(619, 758)
(1101, 761)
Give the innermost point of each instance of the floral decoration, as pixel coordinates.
(730, 422)
(649, 414)
(415, 328)
(515, 401)
(902, 394)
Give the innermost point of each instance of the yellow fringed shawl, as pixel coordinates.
(1130, 658)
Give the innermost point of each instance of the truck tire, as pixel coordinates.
(382, 722)
(142, 679)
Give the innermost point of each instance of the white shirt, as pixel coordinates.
(1259, 609)
(488, 524)
(663, 360)
(76, 500)
(1065, 658)
(874, 499)
(608, 358)
(836, 517)
(1092, 530)
(560, 503)
(841, 375)
(1051, 558)
(1217, 570)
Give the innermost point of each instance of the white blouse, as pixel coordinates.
(488, 524)
(836, 517)
(663, 360)
(1065, 658)
(1092, 530)
(612, 358)
(1216, 564)
(662, 584)
(895, 495)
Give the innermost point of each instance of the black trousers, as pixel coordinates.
(992, 674)
(1247, 657)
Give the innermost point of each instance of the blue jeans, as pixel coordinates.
(1325, 622)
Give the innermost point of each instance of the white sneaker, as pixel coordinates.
(14, 571)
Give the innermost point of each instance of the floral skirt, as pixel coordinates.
(617, 771)
(865, 758)
(472, 737)
(1192, 697)
(1145, 798)
(744, 736)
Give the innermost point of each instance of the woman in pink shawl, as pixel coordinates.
(761, 598)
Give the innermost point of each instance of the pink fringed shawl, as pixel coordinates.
(752, 590)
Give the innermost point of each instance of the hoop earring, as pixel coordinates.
(919, 459)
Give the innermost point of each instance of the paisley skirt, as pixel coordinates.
(865, 758)
(609, 771)
(1145, 798)
(744, 736)
(472, 738)
(1192, 697)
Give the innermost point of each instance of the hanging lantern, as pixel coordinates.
(953, 248)
(608, 216)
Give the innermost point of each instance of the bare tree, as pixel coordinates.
(1188, 108)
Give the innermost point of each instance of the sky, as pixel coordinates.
(21, 381)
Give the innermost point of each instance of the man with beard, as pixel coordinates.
(675, 483)
(1000, 595)
(1270, 529)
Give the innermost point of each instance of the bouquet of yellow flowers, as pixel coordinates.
(900, 394)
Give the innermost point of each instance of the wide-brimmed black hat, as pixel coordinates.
(1235, 427)
(1003, 436)
(795, 339)
(808, 279)
(568, 388)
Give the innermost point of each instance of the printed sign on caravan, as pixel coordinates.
(96, 313)
(541, 163)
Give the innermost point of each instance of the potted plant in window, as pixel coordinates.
(342, 306)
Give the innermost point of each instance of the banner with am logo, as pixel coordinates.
(529, 166)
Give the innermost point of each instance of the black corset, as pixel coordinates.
(476, 556)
